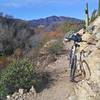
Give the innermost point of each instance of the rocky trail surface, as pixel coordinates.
(61, 88)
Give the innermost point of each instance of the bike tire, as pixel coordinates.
(85, 70)
(70, 58)
(73, 68)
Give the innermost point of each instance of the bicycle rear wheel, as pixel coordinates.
(85, 70)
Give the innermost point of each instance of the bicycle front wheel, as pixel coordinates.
(73, 67)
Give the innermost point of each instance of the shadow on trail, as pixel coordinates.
(44, 81)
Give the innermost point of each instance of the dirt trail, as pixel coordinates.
(62, 88)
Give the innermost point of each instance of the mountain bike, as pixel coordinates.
(82, 66)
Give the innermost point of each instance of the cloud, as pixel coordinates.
(28, 3)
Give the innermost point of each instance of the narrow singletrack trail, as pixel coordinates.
(61, 88)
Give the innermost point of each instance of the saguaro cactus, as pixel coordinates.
(98, 7)
(86, 15)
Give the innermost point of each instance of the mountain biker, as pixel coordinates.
(76, 38)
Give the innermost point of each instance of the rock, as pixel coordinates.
(8, 97)
(98, 66)
(98, 45)
(32, 90)
(81, 32)
(20, 99)
(72, 98)
(84, 91)
(90, 28)
(16, 97)
(88, 37)
(15, 94)
(97, 35)
(21, 91)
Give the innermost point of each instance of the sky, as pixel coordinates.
(35, 9)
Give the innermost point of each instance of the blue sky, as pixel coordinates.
(34, 9)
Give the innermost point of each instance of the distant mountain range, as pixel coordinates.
(17, 33)
(53, 20)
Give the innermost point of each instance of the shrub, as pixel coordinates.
(19, 74)
(55, 48)
(71, 26)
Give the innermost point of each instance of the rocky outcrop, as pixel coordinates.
(90, 89)
(20, 95)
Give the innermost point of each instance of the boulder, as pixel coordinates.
(98, 45)
(97, 35)
(21, 91)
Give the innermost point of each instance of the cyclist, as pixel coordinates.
(75, 37)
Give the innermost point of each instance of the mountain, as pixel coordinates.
(17, 33)
(53, 20)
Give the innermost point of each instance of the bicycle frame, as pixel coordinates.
(83, 65)
(73, 50)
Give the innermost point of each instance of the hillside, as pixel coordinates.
(16, 33)
(59, 86)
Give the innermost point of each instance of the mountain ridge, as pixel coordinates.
(53, 19)
(18, 33)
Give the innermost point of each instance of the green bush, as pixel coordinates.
(71, 26)
(55, 48)
(19, 74)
